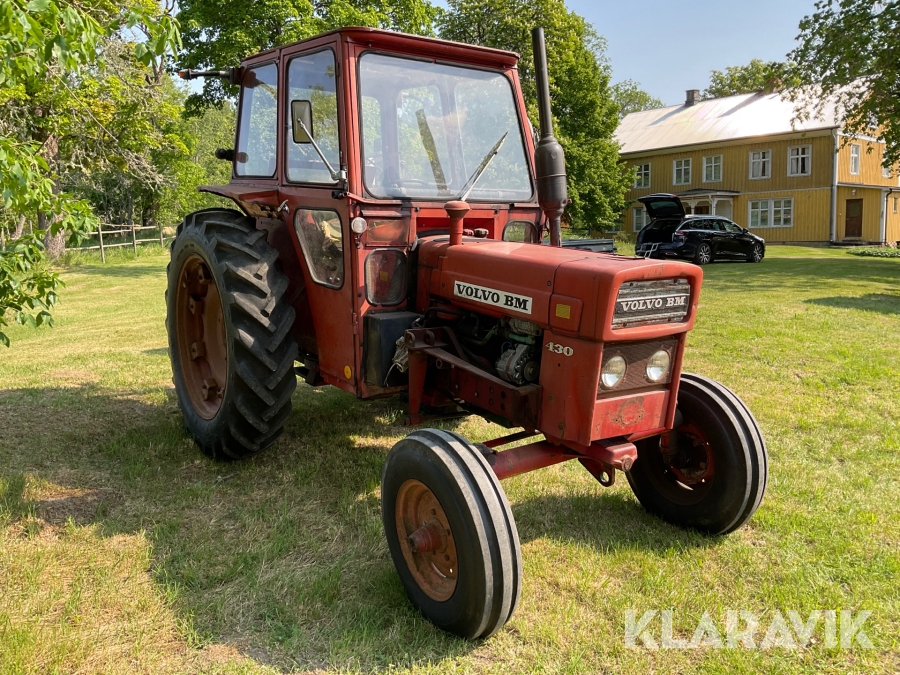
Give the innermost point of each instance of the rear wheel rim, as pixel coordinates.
(200, 333)
(704, 254)
(426, 540)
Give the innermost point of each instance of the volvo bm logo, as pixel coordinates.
(491, 296)
(645, 304)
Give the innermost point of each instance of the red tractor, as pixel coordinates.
(394, 204)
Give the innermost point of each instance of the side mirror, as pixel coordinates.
(301, 121)
(745, 230)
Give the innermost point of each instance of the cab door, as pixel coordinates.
(319, 223)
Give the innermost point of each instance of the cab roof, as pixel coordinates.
(378, 38)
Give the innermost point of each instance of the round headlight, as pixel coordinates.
(658, 366)
(613, 372)
(358, 225)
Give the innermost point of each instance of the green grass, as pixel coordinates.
(122, 549)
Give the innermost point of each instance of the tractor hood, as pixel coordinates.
(591, 295)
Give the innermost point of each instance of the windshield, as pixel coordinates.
(426, 128)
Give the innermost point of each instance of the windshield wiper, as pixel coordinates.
(481, 168)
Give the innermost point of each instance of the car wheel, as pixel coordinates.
(756, 255)
(704, 254)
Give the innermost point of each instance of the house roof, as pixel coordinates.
(715, 120)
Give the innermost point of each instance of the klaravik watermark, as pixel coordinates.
(744, 630)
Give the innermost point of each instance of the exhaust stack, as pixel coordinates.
(549, 159)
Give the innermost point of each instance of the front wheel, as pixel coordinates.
(713, 477)
(704, 254)
(229, 334)
(451, 533)
(756, 255)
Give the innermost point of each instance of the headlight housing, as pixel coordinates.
(658, 365)
(613, 372)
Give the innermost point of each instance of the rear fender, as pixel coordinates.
(254, 200)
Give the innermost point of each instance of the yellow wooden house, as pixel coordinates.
(746, 158)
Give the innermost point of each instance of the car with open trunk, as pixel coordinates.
(671, 233)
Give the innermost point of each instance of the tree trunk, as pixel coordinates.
(55, 244)
(20, 227)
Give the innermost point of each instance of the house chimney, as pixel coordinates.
(691, 96)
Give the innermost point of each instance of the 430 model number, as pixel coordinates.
(557, 348)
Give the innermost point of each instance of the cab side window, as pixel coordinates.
(257, 137)
(311, 77)
(319, 232)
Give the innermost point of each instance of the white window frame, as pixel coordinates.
(644, 216)
(773, 211)
(804, 152)
(886, 172)
(765, 162)
(640, 174)
(715, 165)
(685, 164)
(855, 154)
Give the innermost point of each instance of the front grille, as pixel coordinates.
(646, 302)
(636, 355)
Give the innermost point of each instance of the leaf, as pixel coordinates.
(37, 5)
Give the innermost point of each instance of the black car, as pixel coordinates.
(701, 239)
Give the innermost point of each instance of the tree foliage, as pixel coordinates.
(849, 57)
(630, 98)
(45, 47)
(758, 75)
(218, 34)
(585, 115)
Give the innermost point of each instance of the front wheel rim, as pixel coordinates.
(200, 335)
(687, 478)
(426, 540)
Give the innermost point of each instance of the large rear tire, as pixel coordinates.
(715, 477)
(451, 533)
(229, 334)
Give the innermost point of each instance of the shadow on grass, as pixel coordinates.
(119, 269)
(870, 302)
(159, 351)
(281, 556)
(608, 522)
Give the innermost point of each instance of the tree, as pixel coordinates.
(219, 35)
(46, 45)
(585, 115)
(849, 58)
(758, 75)
(630, 98)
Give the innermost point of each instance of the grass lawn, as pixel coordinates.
(123, 550)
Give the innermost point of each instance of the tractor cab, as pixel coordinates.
(357, 139)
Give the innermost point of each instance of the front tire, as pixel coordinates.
(229, 334)
(451, 533)
(756, 255)
(714, 479)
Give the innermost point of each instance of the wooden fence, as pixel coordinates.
(129, 233)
